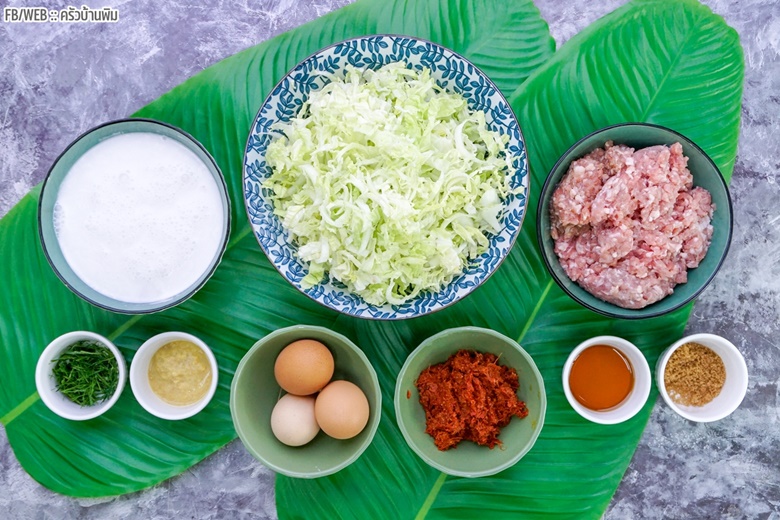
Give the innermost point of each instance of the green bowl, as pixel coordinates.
(468, 459)
(254, 393)
(705, 174)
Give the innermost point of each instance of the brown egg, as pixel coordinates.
(304, 367)
(341, 410)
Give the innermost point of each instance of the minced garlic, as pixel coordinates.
(180, 373)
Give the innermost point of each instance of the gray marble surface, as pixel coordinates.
(57, 80)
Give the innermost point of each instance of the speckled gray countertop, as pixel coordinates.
(57, 80)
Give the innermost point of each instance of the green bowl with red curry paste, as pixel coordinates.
(468, 459)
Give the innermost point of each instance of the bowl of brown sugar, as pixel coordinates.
(702, 377)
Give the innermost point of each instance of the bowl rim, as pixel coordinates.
(375, 415)
(398, 398)
(702, 338)
(44, 367)
(643, 369)
(604, 311)
(138, 380)
(221, 185)
(394, 316)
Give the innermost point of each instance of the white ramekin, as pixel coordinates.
(47, 385)
(139, 378)
(734, 388)
(635, 400)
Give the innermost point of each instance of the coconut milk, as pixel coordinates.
(139, 218)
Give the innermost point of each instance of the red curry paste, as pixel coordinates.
(469, 396)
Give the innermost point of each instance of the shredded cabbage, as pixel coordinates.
(388, 183)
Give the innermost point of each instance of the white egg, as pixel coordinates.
(293, 421)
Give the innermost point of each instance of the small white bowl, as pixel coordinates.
(635, 400)
(139, 378)
(734, 388)
(47, 385)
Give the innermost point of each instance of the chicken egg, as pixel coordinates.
(341, 410)
(304, 367)
(293, 421)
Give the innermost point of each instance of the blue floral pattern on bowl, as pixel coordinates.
(453, 73)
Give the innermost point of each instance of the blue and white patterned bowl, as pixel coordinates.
(452, 72)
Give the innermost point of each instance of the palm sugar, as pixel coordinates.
(694, 375)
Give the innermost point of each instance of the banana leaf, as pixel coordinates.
(672, 63)
(127, 449)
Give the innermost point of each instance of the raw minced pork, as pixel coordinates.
(627, 224)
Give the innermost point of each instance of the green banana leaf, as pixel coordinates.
(127, 449)
(670, 63)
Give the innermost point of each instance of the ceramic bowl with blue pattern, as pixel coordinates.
(452, 72)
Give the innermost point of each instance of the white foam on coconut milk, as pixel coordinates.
(139, 218)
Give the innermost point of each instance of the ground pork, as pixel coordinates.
(628, 224)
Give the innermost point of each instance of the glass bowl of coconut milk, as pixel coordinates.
(134, 216)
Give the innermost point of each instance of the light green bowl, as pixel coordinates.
(254, 393)
(705, 174)
(469, 459)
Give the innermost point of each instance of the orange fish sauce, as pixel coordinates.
(601, 377)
